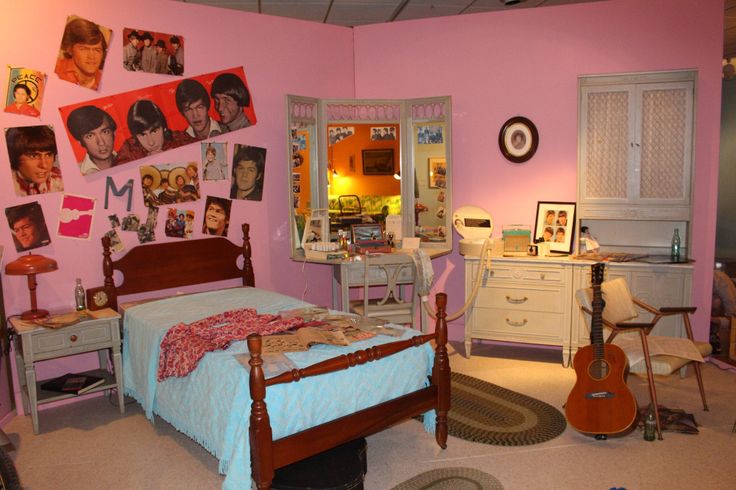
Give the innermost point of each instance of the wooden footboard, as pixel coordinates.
(267, 454)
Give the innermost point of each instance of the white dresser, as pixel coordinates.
(531, 300)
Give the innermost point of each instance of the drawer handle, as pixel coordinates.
(516, 324)
(516, 301)
(541, 276)
(73, 338)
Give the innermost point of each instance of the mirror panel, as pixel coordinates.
(304, 176)
(380, 143)
(431, 158)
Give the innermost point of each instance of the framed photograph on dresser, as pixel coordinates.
(555, 223)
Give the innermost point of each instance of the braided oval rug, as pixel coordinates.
(487, 413)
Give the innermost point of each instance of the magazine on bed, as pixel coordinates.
(302, 339)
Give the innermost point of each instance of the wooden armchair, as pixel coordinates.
(647, 354)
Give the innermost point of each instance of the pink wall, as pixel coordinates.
(526, 62)
(493, 65)
(279, 56)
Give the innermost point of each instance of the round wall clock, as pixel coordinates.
(518, 139)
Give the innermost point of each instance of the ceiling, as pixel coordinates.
(352, 13)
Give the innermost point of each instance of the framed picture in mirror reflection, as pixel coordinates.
(378, 162)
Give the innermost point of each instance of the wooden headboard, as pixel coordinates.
(181, 263)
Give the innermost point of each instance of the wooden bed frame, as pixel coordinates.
(204, 260)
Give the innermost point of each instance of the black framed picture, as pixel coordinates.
(518, 139)
(378, 162)
(555, 224)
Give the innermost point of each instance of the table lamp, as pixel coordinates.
(30, 265)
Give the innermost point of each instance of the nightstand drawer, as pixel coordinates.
(76, 338)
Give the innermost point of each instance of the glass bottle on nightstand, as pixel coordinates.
(79, 295)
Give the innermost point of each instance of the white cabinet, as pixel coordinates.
(531, 300)
(658, 285)
(636, 139)
(520, 300)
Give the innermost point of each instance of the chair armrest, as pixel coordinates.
(672, 310)
(634, 326)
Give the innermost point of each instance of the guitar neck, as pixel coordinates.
(596, 321)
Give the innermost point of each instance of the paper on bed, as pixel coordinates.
(212, 404)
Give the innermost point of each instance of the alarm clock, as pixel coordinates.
(101, 297)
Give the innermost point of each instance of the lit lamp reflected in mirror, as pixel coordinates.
(30, 265)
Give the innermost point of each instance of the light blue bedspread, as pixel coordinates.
(212, 404)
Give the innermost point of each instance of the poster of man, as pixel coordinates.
(83, 51)
(153, 52)
(25, 91)
(216, 216)
(33, 159)
(214, 160)
(249, 165)
(169, 184)
(162, 117)
(28, 226)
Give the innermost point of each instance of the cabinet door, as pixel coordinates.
(607, 130)
(635, 141)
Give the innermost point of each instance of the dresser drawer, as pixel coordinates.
(77, 339)
(550, 300)
(526, 274)
(507, 324)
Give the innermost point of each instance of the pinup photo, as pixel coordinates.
(214, 161)
(75, 217)
(339, 133)
(179, 223)
(383, 133)
(216, 216)
(82, 53)
(25, 91)
(169, 183)
(27, 226)
(131, 222)
(153, 52)
(126, 127)
(116, 244)
(33, 159)
(429, 135)
(249, 164)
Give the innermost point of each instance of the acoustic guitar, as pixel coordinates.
(600, 404)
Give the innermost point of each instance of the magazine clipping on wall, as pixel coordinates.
(216, 218)
(76, 216)
(25, 91)
(169, 183)
(82, 53)
(152, 120)
(33, 157)
(214, 160)
(153, 52)
(249, 168)
(27, 226)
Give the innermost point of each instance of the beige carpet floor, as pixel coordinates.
(89, 445)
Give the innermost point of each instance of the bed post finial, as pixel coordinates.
(441, 371)
(260, 424)
(249, 278)
(107, 262)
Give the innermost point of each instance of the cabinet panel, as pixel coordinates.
(519, 325)
(525, 299)
(636, 146)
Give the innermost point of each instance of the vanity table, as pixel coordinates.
(348, 273)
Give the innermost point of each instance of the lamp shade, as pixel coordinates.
(30, 264)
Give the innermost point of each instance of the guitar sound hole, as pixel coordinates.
(598, 369)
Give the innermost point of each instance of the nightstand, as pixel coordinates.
(33, 343)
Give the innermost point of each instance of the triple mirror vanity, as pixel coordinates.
(371, 161)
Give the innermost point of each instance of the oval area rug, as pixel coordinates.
(487, 413)
(455, 478)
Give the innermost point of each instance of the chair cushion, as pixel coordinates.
(619, 305)
(665, 364)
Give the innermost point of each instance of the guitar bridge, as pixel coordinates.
(600, 394)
